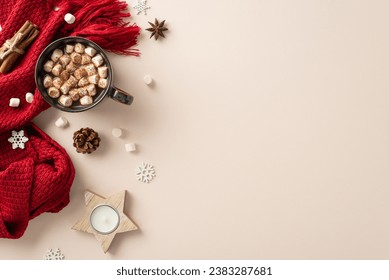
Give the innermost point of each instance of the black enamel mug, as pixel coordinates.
(111, 91)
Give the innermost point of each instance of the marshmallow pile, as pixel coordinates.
(75, 74)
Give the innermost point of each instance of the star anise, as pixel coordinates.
(157, 28)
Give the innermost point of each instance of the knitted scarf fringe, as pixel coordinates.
(102, 21)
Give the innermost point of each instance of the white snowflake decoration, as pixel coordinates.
(54, 255)
(18, 139)
(145, 172)
(141, 6)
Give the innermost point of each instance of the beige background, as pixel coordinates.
(267, 126)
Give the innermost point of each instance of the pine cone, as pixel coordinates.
(86, 140)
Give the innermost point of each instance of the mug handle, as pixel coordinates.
(120, 96)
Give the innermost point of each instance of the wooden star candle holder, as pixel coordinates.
(104, 218)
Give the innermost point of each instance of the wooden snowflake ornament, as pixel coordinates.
(104, 218)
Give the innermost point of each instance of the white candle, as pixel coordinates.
(104, 219)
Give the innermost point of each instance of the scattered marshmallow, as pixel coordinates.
(148, 79)
(56, 9)
(29, 97)
(14, 102)
(69, 18)
(117, 132)
(130, 147)
(61, 122)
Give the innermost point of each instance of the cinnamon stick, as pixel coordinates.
(14, 47)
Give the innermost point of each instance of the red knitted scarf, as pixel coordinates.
(38, 178)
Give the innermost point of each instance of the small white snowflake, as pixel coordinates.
(18, 139)
(54, 255)
(141, 6)
(145, 172)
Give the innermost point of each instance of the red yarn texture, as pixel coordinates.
(33, 180)
(37, 179)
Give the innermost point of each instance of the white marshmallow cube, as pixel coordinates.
(65, 100)
(53, 92)
(69, 18)
(48, 66)
(79, 48)
(69, 49)
(86, 100)
(90, 51)
(94, 79)
(61, 122)
(130, 147)
(117, 132)
(98, 60)
(102, 83)
(103, 71)
(57, 53)
(29, 97)
(148, 79)
(14, 102)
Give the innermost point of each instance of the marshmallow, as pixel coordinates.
(83, 82)
(14, 102)
(94, 79)
(69, 49)
(56, 9)
(47, 81)
(80, 73)
(74, 94)
(85, 59)
(65, 88)
(71, 67)
(90, 69)
(29, 97)
(103, 71)
(82, 91)
(57, 69)
(72, 81)
(102, 83)
(53, 92)
(69, 18)
(148, 79)
(65, 75)
(61, 122)
(65, 101)
(86, 100)
(91, 88)
(57, 53)
(48, 66)
(79, 48)
(116, 132)
(130, 147)
(76, 57)
(64, 60)
(57, 82)
(97, 60)
(90, 51)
